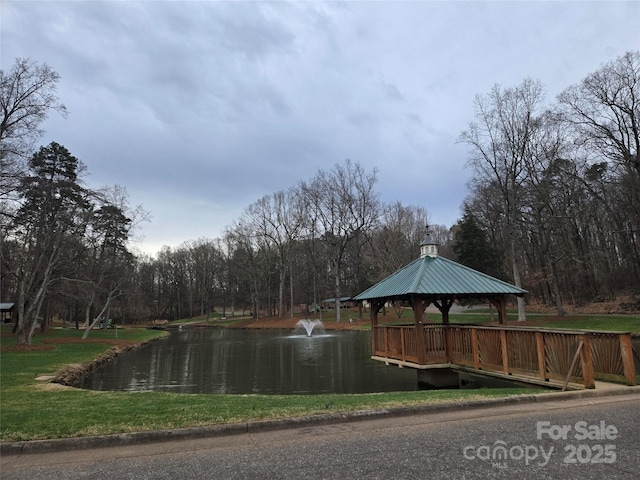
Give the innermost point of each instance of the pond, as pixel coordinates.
(246, 361)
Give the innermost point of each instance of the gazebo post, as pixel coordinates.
(419, 306)
(444, 309)
(375, 305)
(501, 306)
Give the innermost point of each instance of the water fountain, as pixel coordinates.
(309, 325)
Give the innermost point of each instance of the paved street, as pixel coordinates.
(581, 438)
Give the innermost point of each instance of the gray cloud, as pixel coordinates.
(201, 107)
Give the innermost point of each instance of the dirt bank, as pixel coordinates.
(72, 375)
(347, 323)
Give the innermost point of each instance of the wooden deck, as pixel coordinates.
(541, 355)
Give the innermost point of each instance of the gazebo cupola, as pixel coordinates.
(428, 247)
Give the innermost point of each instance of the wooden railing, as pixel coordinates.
(548, 355)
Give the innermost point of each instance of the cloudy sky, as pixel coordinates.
(199, 108)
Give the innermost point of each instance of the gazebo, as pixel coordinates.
(429, 279)
(435, 279)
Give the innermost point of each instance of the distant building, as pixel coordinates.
(344, 302)
(6, 312)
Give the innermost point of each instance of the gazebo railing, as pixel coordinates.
(547, 355)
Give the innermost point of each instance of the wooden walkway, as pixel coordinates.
(554, 357)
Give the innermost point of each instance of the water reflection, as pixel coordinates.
(253, 361)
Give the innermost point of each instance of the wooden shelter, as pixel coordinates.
(6, 312)
(435, 279)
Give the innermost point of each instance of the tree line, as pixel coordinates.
(557, 186)
(554, 207)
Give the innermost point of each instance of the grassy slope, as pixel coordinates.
(39, 410)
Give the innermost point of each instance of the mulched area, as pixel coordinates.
(349, 321)
(108, 341)
(25, 348)
(48, 343)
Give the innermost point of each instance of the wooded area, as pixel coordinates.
(554, 207)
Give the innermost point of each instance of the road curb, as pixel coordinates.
(138, 438)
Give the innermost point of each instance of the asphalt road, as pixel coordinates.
(578, 438)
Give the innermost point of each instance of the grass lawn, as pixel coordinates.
(614, 323)
(32, 409)
(609, 322)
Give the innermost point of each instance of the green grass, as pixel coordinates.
(32, 409)
(39, 414)
(616, 323)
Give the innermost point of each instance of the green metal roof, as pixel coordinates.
(438, 276)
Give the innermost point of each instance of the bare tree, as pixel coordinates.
(542, 214)
(603, 112)
(343, 206)
(27, 94)
(243, 250)
(501, 139)
(207, 262)
(278, 219)
(108, 265)
(397, 241)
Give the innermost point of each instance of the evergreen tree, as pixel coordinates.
(473, 248)
(52, 214)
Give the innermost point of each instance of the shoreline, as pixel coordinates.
(71, 375)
